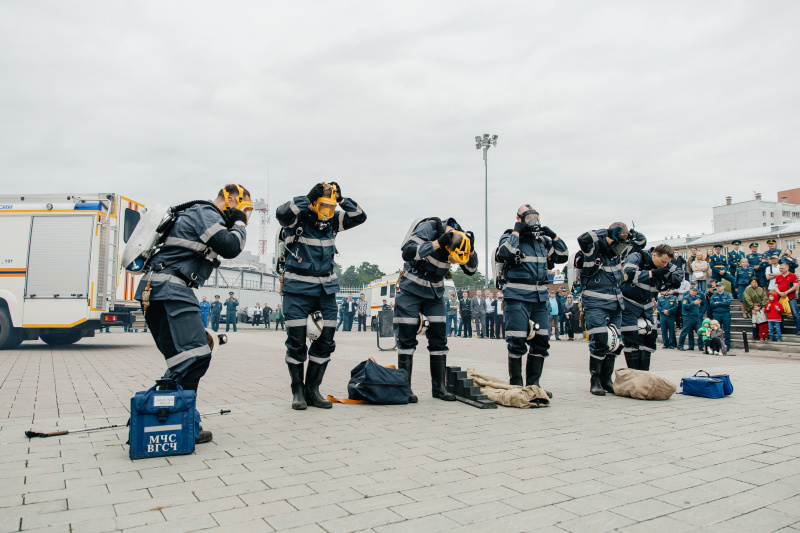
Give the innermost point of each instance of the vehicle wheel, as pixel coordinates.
(10, 337)
(62, 338)
(374, 323)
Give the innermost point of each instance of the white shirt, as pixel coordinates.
(499, 307)
(257, 310)
(489, 305)
(776, 270)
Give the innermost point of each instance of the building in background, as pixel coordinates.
(757, 213)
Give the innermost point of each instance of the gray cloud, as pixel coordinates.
(650, 112)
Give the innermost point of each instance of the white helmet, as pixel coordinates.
(314, 325)
(533, 328)
(645, 326)
(614, 338)
(422, 324)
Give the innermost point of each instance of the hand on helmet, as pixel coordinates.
(232, 216)
(315, 193)
(519, 227)
(660, 272)
(471, 237)
(338, 191)
(445, 240)
(547, 231)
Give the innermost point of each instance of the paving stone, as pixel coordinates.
(361, 521)
(764, 520)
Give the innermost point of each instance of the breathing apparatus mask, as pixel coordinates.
(459, 253)
(245, 206)
(530, 219)
(325, 205)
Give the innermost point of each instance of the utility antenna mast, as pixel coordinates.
(262, 207)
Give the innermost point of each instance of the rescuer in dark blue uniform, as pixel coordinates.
(189, 255)
(527, 251)
(309, 284)
(428, 253)
(602, 251)
(643, 274)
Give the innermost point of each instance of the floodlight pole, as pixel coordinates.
(486, 142)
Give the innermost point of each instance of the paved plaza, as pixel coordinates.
(584, 464)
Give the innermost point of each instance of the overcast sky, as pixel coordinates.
(639, 111)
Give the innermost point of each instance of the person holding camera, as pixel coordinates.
(599, 258)
(527, 251)
(645, 275)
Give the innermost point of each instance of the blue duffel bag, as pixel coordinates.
(163, 422)
(727, 385)
(376, 384)
(704, 386)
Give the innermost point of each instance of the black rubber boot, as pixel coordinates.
(533, 371)
(596, 369)
(607, 372)
(203, 437)
(298, 394)
(514, 370)
(633, 359)
(406, 362)
(644, 361)
(314, 375)
(438, 369)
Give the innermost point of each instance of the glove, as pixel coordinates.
(338, 192)
(471, 237)
(315, 193)
(445, 240)
(614, 233)
(519, 227)
(660, 272)
(634, 235)
(234, 215)
(547, 231)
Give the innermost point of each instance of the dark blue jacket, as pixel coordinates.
(215, 308)
(718, 263)
(720, 303)
(667, 303)
(190, 250)
(734, 258)
(638, 288)
(425, 268)
(690, 310)
(743, 275)
(601, 274)
(316, 245)
(527, 279)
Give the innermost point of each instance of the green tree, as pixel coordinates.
(354, 277)
(462, 280)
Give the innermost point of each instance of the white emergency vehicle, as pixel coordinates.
(385, 288)
(60, 272)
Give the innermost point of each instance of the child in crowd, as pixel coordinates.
(759, 323)
(717, 342)
(774, 310)
(704, 333)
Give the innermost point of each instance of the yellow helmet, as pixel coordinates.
(245, 206)
(325, 205)
(459, 253)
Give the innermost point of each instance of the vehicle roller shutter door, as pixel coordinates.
(59, 256)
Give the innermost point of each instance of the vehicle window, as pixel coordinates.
(383, 290)
(131, 219)
(391, 290)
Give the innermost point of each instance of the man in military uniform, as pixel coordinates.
(692, 317)
(428, 253)
(667, 306)
(735, 257)
(719, 265)
(601, 297)
(310, 224)
(199, 235)
(215, 311)
(720, 304)
(759, 264)
(527, 251)
(772, 250)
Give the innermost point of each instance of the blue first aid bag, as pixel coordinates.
(163, 422)
(704, 386)
(373, 383)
